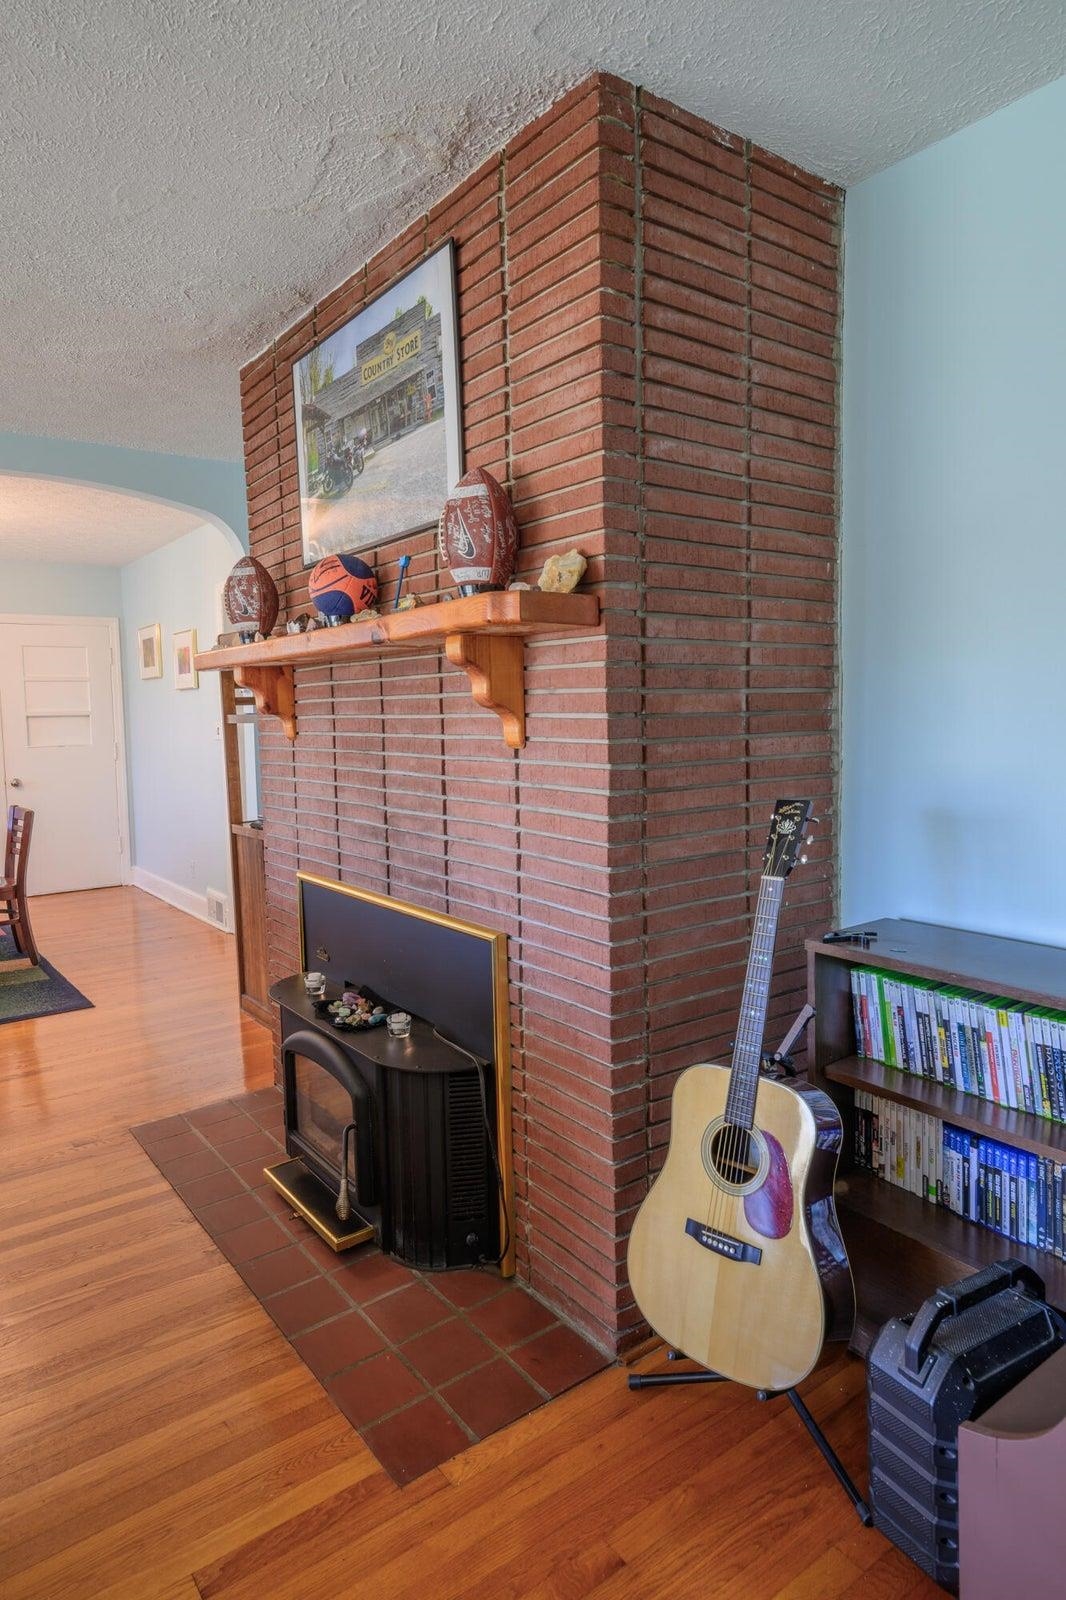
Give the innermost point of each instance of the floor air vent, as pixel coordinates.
(218, 908)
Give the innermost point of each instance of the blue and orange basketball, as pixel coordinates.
(342, 585)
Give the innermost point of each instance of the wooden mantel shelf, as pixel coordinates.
(483, 633)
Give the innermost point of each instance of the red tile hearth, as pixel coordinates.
(422, 1364)
(407, 1312)
(451, 1348)
(416, 1439)
(491, 1397)
(309, 1304)
(375, 1389)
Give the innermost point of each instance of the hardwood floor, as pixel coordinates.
(159, 1439)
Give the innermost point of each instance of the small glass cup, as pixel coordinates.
(398, 1024)
(315, 985)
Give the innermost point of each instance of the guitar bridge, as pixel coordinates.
(723, 1244)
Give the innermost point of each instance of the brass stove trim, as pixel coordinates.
(314, 1203)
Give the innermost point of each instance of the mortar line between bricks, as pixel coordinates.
(642, 611)
(749, 818)
(335, 762)
(516, 1032)
(838, 486)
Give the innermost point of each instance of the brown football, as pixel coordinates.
(477, 534)
(251, 598)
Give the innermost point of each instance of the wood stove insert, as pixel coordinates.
(423, 1122)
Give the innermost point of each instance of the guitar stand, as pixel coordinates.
(656, 1380)
(778, 1065)
(781, 1064)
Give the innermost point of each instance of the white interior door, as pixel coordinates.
(60, 736)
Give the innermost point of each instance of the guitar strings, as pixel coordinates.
(727, 1137)
(729, 1144)
(763, 943)
(734, 1140)
(746, 1040)
(739, 1140)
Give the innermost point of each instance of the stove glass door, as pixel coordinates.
(323, 1108)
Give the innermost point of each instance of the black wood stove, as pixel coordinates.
(413, 1117)
(403, 1140)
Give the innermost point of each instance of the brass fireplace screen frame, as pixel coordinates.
(501, 1032)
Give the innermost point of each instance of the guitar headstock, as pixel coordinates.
(788, 830)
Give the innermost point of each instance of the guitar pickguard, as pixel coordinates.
(769, 1208)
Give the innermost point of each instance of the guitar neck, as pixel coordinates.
(747, 1052)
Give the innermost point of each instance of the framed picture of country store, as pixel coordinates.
(378, 419)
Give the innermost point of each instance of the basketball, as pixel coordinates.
(342, 585)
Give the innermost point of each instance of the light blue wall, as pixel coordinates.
(214, 487)
(176, 771)
(954, 531)
(52, 589)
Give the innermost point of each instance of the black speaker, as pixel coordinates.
(928, 1372)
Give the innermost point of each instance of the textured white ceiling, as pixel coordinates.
(180, 179)
(43, 519)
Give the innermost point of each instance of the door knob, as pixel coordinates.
(16, 783)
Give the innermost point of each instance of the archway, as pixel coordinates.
(156, 564)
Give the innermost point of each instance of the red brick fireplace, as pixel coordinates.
(648, 322)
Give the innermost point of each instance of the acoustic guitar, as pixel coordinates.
(736, 1257)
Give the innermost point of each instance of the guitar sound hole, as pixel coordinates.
(735, 1155)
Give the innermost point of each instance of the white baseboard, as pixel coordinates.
(175, 894)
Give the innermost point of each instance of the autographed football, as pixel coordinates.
(477, 534)
(251, 599)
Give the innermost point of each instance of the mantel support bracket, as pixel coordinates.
(492, 661)
(494, 664)
(274, 693)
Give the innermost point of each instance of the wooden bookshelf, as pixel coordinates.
(900, 1246)
(1020, 1128)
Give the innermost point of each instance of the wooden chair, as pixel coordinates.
(14, 911)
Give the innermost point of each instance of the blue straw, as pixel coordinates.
(405, 562)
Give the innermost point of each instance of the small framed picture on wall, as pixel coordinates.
(185, 673)
(150, 651)
(378, 420)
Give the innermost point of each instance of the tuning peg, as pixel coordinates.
(810, 838)
(803, 861)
